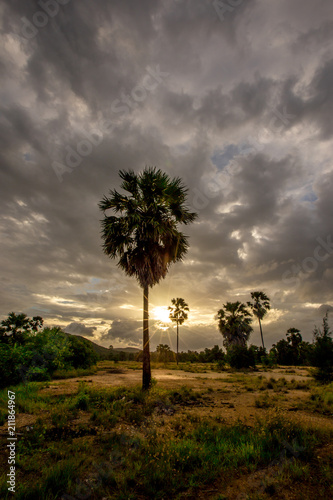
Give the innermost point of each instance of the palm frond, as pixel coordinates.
(144, 235)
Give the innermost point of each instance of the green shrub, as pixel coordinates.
(53, 484)
(81, 353)
(240, 357)
(81, 402)
(221, 364)
(321, 400)
(323, 360)
(322, 353)
(73, 372)
(263, 402)
(38, 374)
(293, 351)
(40, 353)
(13, 360)
(59, 419)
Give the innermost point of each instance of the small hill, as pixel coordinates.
(127, 349)
(104, 352)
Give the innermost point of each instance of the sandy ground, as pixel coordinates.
(224, 398)
(168, 378)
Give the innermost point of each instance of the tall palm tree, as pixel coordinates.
(259, 307)
(178, 314)
(234, 323)
(143, 233)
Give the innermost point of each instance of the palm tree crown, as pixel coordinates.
(178, 312)
(234, 323)
(260, 304)
(144, 232)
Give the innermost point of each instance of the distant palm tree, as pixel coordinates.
(178, 315)
(259, 307)
(234, 323)
(144, 234)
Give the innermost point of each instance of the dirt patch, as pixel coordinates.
(227, 399)
(169, 378)
(224, 399)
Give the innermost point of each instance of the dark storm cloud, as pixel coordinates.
(242, 112)
(325, 308)
(318, 107)
(80, 329)
(72, 51)
(123, 330)
(318, 37)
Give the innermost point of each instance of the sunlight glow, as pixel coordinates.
(161, 314)
(312, 305)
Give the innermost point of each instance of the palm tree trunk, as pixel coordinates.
(262, 338)
(146, 373)
(177, 343)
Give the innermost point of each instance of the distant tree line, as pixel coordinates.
(115, 355)
(30, 352)
(234, 321)
(290, 351)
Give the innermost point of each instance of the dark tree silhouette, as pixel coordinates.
(143, 233)
(260, 306)
(17, 327)
(234, 323)
(178, 314)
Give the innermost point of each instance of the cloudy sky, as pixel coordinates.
(235, 97)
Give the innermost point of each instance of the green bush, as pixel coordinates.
(293, 351)
(81, 353)
(13, 360)
(221, 364)
(322, 359)
(322, 353)
(82, 402)
(38, 374)
(240, 357)
(34, 355)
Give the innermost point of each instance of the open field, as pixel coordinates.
(199, 433)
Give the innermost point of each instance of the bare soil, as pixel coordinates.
(230, 400)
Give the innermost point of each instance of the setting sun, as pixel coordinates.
(161, 313)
